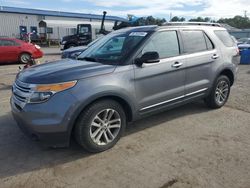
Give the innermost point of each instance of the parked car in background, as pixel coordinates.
(15, 50)
(244, 44)
(242, 40)
(74, 52)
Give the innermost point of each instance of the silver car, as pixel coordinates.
(126, 75)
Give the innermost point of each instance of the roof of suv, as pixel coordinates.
(156, 28)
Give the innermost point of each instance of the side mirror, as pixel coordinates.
(148, 57)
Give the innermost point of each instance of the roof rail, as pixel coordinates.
(193, 23)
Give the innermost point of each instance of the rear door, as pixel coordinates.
(160, 84)
(200, 55)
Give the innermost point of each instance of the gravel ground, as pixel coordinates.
(190, 146)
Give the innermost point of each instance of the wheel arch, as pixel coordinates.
(25, 52)
(127, 106)
(229, 73)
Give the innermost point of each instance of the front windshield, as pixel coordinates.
(113, 48)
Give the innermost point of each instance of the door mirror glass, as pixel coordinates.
(148, 57)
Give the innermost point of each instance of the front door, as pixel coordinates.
(160, 84)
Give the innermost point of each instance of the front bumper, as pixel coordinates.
(37, 54)
(47, 122)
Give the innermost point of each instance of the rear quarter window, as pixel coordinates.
(225, 38)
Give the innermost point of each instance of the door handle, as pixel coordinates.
(215, 56)
(177, 65)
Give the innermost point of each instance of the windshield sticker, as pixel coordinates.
(138, 34)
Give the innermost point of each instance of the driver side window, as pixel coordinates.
(165, 43)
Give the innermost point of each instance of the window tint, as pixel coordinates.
(165, 43)
(194, 41)
(7, 43)
(225, 38)
(83, 29)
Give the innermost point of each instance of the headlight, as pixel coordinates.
(42, 92)
(64, 42)
(37, 47)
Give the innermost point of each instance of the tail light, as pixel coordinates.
(238, 51)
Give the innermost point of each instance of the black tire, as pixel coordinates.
(84, 125)
(213, 100)
(25, 58)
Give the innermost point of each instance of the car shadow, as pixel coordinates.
(10, 63)
(18, 154)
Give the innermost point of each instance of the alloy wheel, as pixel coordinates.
(221, 92)
(25, 58)
(105, 127)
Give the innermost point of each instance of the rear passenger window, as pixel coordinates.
(194, 41)
(165, 43)
(225, 38)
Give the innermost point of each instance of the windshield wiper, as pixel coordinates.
(88, 59)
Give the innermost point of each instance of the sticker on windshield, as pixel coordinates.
(138, 34)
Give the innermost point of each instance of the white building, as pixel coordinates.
(50, 24)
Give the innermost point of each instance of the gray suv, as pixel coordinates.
(126, 75)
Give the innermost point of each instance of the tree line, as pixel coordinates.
(239, 22)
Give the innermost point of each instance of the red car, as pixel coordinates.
(14, 50)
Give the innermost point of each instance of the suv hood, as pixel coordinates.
(62, 71)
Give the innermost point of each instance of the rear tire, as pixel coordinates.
(219, 93)
(25, 58)
(100, 126)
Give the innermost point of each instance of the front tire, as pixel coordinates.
(100, 126)
(219, 93)
(25, 58)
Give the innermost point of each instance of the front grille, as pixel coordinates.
(21, 92)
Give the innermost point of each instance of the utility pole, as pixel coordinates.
(245, 13)
(170, 16)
